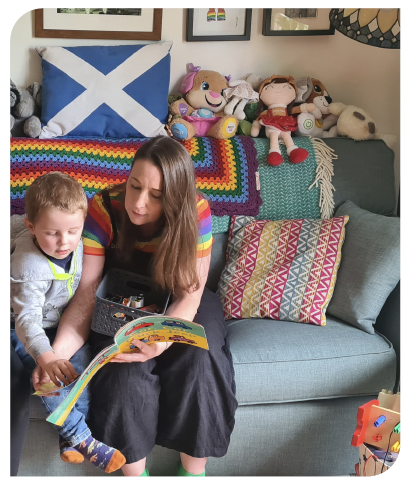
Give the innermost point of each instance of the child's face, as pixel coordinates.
(57, 232)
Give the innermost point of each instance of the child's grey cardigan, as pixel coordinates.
(39, 291)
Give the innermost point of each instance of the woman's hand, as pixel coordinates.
(142, 352)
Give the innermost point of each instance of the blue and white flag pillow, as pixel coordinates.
(105, 91)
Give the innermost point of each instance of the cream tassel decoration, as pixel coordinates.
(324, 173)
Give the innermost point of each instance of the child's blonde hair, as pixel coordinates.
(54, 190)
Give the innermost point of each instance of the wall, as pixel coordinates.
(353, 73)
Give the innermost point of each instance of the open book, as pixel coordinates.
(149, 329)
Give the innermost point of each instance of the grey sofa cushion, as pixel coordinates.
(369, 269)
(279, 361)
(364, 174)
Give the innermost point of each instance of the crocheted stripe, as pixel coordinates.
(225, 169)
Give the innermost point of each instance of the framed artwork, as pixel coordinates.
(218, 24)
(99, 23)
(296, 21)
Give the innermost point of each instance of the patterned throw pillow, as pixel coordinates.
(284, 270)
(105, 91)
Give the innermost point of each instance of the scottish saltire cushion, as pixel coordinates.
(105, 91)
(284, 270)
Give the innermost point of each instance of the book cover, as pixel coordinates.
(148, 329)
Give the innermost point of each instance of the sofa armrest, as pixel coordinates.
(388, 324)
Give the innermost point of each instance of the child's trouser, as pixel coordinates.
(74, 430)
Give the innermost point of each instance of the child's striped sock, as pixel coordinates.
(106, 458)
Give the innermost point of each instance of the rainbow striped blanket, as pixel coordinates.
(225, 169)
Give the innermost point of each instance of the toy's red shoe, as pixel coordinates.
(274, 158)
(298, 155)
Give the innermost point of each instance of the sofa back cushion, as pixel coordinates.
(218, 260)
(364, 174)
(370, 267)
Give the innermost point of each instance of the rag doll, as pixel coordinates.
(278, 93)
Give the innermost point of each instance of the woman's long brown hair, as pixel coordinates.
(174, 262)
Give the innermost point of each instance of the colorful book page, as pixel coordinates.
(149, 329)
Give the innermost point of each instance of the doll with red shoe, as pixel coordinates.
(278, 93)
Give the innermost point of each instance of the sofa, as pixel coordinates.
(299, 386)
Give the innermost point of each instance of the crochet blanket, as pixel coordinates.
(225, 172)
(225, 169)
(293, 191)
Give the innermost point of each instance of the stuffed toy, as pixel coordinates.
(201, 110)
(278, 93)
(244, 127)
(241, 92)
(353, 122)
(318, 122)
(25, 105)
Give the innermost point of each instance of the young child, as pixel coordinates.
(46, 266)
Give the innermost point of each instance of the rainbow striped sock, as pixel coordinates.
(211, 15)
(221, 14)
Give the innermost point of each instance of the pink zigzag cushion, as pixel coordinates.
(284, 270)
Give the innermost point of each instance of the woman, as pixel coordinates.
(174, 395)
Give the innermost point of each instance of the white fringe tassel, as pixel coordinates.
(324, 173)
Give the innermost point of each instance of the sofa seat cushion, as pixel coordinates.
(279, 361)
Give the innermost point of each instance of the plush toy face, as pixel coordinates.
(319, 96)
(207, 91)
(277, 94)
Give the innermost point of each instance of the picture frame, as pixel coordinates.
(230, 24)
(277, 20)
(126, 25)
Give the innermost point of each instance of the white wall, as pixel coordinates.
(365, 76)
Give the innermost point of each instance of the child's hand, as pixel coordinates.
(60, 369)
(40, 378)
